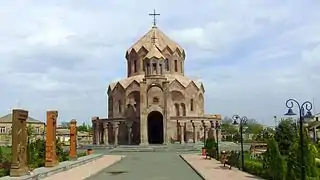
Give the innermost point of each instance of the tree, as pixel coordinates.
(84, 127)
(253, 127)
(286, 135)
(274, 162)
(294, 159)
(65, 124)
(227, 127)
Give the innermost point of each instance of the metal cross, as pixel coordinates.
(154, 14)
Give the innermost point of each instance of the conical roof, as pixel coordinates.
(154, 53)
(157, 37)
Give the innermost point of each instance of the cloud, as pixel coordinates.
(251, 55)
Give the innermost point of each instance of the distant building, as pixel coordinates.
(38, 128)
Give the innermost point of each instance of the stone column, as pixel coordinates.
(182, 125)
(97, 131)
(51, 156)
(19, 164)
(194, 131)
(204, 132)
(106, 133)
(166, 113)
(143, 114)
(73, 140)
(212, 129)
(129, 126)
(116, 132)
(101, 130)
(94, 129)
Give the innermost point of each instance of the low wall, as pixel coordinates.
(44, 172)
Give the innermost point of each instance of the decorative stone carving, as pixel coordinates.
(51, 157)
(73, 139)
(19, 164)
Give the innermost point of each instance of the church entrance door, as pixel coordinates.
(155, 127)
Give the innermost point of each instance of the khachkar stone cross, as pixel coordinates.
(51, 156)
(19, 164)
(154, 14)
(73, 140)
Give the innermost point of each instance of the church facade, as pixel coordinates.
(156, 103)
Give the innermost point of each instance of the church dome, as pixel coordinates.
(156, 37)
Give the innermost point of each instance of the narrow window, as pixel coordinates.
(191, 105)
(181, 66)
(135, 66)
(167, 64)
(154, 65)
(160, 68)
(129, 67)
(144, 66)
(175, 65)
(119, 104)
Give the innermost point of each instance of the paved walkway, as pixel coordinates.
(86, 170)
(214, 170)
(148, 166)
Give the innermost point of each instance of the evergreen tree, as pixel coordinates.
(274, 162)
(294, 160)
(285, 135)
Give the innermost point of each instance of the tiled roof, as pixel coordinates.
(8, 119)
(157, 37)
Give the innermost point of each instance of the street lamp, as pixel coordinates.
(308, 106)
(243, 121)
(217, 127)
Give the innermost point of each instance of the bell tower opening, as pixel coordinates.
(155, 128)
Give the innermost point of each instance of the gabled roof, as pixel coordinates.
(154, 53)
(8, 119)
(184, 81)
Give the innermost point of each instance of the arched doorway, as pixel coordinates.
(155, 127)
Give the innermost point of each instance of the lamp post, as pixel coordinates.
(243, 120)
(308, 106)
(217, 127)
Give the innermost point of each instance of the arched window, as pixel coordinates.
(183, 107)
(119, 106)
(167, 64)
(176, 105)
(191, 105)
(175, 65)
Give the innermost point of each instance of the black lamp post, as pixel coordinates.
(243, 120)
(308, 106)
(217, 127)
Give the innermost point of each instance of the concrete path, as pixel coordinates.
(214, 170)
(148, 166)
(86, 170)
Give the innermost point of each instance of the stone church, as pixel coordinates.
(156, 103)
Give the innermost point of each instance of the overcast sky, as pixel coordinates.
(251, 55)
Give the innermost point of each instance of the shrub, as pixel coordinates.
(274, 163)
(255, 168)
(234, 158)
(210, 143)
(81, 154)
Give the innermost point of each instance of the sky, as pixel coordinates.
(251, 55)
